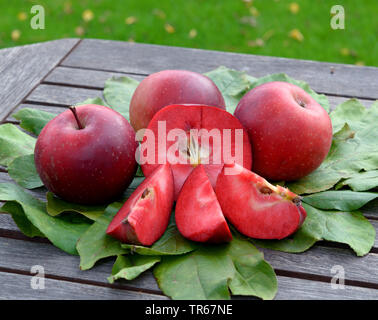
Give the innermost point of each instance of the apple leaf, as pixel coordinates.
(56, 206)
(33, 120)
(118, 93)
(360, 181)
(170, 243)
(232, 84)
(99, 101)
(354, 149)
(14, 143)
(63, 231)
(22, 170)
(320, 98)
(130, 267)
(344, 200)
(210, 271)
(351, 228)
(95, 244)
(19, 217)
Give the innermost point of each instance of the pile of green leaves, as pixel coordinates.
(332, 195)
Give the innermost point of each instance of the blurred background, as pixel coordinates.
(295, 29)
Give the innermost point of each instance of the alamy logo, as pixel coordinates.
(38, 20)
(338, 17)
(37, 282)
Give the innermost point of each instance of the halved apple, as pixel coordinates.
(198, 214)
(145, 215)
(255, 207)
(188, 135)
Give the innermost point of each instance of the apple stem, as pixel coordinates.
(73, 109)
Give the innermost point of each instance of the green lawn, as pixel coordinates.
(258, 27)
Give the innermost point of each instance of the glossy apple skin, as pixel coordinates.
(289, 141)
(253, 211)
(198, 214)
(145, 215)
(189, 117)
(93, 165)
(168, 87)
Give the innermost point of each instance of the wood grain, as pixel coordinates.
(22, 68)
(51, 94)
(18, 287)
(143, 59)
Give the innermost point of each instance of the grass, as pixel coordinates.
(295, 29)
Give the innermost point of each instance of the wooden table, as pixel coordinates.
(53, 75)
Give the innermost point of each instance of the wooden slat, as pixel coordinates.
(22, 68)
(19, 256)
(65, 96)
(84, 77)
(300, 289)
(346, 80)
(320, 260)
(18, 287)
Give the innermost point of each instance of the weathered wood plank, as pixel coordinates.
(320, 261)
(346, 80)
(84, 77)
(18, 287)
(65, 96)
(300, 289)
(20, 256)
(22, 68)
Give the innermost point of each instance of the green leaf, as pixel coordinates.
(320, 98)
(339, 200)
(170, 243)
(232, 84)
(118, 93)
(354, 148)
(253, 275)
(97, 100)
(361, 181)
(63, 232)
(22, 170)
(202, 274)
(33, 120)
(14, 143)
(56, 206)
(95, 244)
(131, 266)
(211, 270)
(19, 217)
(351, 228)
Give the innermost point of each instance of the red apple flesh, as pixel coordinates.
(198, 214)
(229, 143)
(171, 87)
(89, 165)
(145, 215)
(256, 208)
(290, 132)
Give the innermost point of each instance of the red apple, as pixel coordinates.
(145, 215)
(198, 214)
(171, 87)
(87, 156)
(189, 135)
(290, 132)
(256, 208)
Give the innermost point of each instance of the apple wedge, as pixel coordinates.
(145, 215)
(255, 207)
(198, 214)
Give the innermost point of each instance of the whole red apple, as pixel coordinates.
(86, 155)
(168, 87)
(290, 132)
